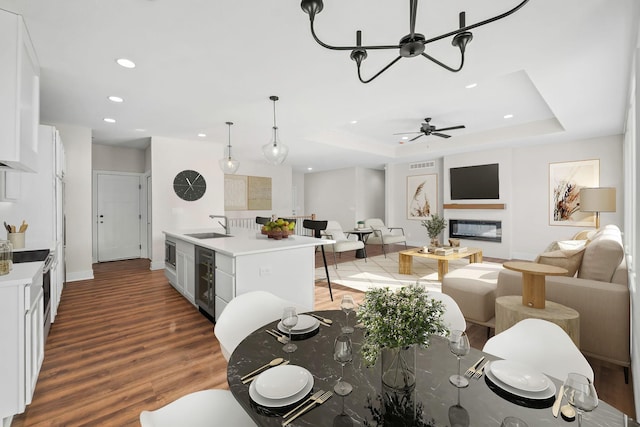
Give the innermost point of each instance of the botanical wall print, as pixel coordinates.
(565, 181)
(422, 196)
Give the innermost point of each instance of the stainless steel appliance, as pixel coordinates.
(170, 254)
(48, 258)
(206, 282)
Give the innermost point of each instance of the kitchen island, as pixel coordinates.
(210, 268)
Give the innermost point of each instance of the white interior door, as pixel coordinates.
(118, 217)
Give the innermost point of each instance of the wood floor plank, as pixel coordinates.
(126, 341)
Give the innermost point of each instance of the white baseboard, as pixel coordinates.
(78, 275)
(157, 265)
(6, 422)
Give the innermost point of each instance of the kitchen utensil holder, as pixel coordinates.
(16, 239)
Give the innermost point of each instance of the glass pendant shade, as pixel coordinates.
(228, 165)
(275, 152)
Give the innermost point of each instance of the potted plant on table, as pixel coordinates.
(434, 226)
(395, 322)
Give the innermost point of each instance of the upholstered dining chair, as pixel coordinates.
(205, 408)
(542, 345)
(317, 227)
(453, 317)
(383, 235)
(343, 243)
(246, 313)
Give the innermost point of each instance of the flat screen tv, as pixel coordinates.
(474, 182)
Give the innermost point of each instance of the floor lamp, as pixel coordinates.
(600, 199)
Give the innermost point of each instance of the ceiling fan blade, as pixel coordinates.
(405, 133)
(413, 139)
(450, 128)
(441, 135)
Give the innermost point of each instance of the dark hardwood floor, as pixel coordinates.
(127, 341)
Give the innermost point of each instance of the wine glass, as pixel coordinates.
(343, 354)
(289, 320)
(347, 305)
(513, 422)
(459, 345)
(580, 393)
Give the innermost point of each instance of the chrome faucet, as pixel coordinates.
(226, 227)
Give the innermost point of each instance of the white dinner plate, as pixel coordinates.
(539, 395)
(519, 375)
(281, 382)
(305, 324)
(279, 403)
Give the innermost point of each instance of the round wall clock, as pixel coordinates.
(189, 185)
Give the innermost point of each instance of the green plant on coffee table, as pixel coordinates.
(434, 225)
(399, 318)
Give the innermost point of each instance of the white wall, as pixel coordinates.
(297, 193)
(117, 159)
(77, 144)
(345, 195)
(524, 182)
(169, 212)
(281, 189)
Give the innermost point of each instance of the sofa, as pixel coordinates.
(596, 287)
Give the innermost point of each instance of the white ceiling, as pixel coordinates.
(560, 67)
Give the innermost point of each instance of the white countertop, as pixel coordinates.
(246, 242)
(21, 274)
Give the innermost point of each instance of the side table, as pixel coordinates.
(362, 234)
(533, 280)
(509, 311)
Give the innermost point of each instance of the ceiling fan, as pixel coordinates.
(428, 129)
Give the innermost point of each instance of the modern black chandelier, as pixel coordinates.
(411, 45)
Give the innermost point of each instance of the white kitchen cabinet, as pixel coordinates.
(20, 100)
(225, 282)
(185, 270)
(10, 186)
(21, 336)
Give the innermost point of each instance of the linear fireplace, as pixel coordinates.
(488, 231)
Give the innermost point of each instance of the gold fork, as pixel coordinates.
(319, 401)
(480, 371)
(472, 369)
(314, 396)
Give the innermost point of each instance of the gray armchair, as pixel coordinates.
(383, 235)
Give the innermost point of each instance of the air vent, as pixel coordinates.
(422, 165)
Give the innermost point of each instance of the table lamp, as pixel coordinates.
(600, 199)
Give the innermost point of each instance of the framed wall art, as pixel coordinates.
(243, 193)
(422, 196)
(565, 181)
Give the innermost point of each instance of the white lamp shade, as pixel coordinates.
(600, 199)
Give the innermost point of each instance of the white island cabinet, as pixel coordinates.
(21, 336)
(248, 261)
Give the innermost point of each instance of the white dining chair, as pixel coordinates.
(453, 317)
(342, 242)
(246, 313)
(205, 408)
(542, 345)
(383, 235)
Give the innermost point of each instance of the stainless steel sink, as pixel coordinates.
(207, 235)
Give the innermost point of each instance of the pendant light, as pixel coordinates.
(228, 165)
(275, 152)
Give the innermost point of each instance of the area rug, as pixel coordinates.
(379, 271)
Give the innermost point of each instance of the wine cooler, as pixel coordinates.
(206, 282)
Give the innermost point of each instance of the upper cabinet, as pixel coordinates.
(20, 100)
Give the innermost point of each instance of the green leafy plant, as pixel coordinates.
(434, 225)
(398, 319)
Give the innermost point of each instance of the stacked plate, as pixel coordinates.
(305, 325)
(520, 379)
(281, 386)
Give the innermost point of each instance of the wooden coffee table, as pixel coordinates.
(406, 259)
(533, 280)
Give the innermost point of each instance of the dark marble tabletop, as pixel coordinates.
(434, 398)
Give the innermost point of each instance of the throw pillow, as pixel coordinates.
(569, 259)
(602, 257)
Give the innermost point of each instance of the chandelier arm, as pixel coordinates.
(478, 24)
(379, 72)
(443, 65)
(328, 46)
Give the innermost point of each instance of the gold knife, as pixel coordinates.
(556, 405)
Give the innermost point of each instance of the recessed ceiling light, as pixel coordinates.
(126, 63)
(140, 130)
(471, 85)
(309, 169)
(353, 122)
(202, 135)
(116, 99)
(508, 116)
(405, 137)
(109, 120)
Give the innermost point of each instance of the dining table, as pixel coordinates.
(433, 401)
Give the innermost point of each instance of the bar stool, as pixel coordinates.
(262, 220)
(317, 227)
